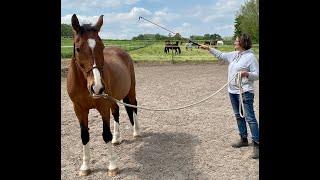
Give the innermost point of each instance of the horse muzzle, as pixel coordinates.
(96, 93)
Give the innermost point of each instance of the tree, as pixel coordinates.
(157, 36)
(177, 36)
(206, 36)
(140, 37)
(215, 37)
(66, 30)
(196, 37)
(237, 30)
(247, 20)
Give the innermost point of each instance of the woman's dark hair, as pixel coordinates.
(245, 41)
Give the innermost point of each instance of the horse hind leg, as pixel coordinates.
(116, 133)
(132, 113)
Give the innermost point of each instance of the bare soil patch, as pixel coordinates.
(192, 143)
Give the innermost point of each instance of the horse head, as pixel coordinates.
(88, 53)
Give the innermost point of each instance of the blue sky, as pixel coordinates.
(187, 17)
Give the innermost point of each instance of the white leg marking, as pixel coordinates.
(116, 133)
(112, 158)
(85, 158)
(136, 129)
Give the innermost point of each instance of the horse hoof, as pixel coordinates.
(113, 172)
(116, 143)
(84, 172)
(136, 135)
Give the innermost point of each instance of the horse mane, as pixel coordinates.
(87, 28)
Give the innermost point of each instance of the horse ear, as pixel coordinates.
(99, 23)
(75, 23)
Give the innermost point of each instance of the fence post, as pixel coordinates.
(171, 52)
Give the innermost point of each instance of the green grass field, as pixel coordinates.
(154, 50)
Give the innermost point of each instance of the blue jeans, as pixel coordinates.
(250, 117)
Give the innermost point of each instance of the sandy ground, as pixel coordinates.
(192, 143)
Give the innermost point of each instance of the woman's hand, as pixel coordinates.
(244, 74)
(204, 47)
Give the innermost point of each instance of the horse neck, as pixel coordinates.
(77, 75)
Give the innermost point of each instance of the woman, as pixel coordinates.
(244, 61)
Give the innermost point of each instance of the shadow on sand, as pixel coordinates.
(166, 156)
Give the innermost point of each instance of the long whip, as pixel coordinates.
(140, 17)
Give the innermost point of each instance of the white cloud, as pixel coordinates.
(66, 19)
(116, 25)
(162, 18)
(153, 1)
(82, 19)
(185, 24)
(225, 7)
(223, 28)
(213, 17)
(129, 17)
(217, 11)
(160, 13)
(114, 35)
(130, 2)
(101, 4)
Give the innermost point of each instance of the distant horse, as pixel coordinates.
(166, 46)
(206, 42)
(214, 42)
(172, 46)
(93, 72)
(189, 46)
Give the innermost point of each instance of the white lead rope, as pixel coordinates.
(241, 105)
(170, 109)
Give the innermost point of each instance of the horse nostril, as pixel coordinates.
(101, 90)
(91, 89)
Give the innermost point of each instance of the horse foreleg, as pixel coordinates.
(116, 133)
(107, 137)
(82, 115)
(84, 169)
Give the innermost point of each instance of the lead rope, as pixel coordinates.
(168, 109)
(241, 105)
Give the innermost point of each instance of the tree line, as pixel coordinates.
(213, 37)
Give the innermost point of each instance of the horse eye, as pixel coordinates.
(78, 49)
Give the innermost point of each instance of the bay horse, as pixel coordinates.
(94, 71)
